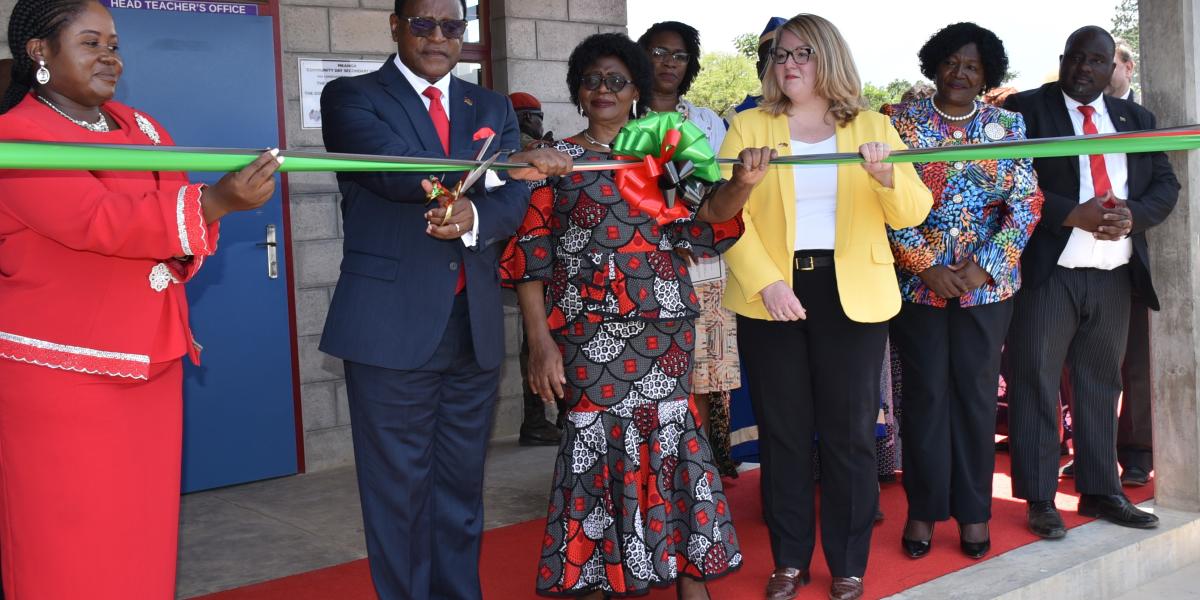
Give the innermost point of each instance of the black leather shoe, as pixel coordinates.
(916, 548)
(1044, 520)
(539, 433)
(1116, 509)
(1134, 477)
(974, 550)
(1068, 469)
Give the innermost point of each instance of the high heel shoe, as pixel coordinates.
(917, 548)
(976, 550)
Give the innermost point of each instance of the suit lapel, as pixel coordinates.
(462, 118)
(1057, 109)
(1122, 120)
(414, 108)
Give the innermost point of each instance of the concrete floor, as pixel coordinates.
(269, 529)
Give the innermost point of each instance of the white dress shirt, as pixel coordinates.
(420, 84)
(1083, 250)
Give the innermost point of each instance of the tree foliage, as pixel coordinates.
(724, 81)
(1125, 23)
(747, 45)
(877, 96)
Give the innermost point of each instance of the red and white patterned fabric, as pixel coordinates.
(636, 501)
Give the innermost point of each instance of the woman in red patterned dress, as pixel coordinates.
(93, 322)
(609, 309)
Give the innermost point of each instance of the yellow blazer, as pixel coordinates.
(863, 260)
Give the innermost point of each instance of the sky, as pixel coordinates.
(885, 36)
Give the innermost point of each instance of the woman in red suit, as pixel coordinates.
(93, 322)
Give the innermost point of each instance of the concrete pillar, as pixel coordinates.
(1170, 41)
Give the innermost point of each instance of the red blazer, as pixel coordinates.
(89, 281)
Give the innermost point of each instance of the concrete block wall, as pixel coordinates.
(531, 41)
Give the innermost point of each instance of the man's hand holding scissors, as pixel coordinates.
(455, 213)
(449, 222)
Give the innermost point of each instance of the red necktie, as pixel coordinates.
(1100, 182)
(437, 114)
(441, 123)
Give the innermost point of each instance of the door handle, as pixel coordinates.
(272, 247)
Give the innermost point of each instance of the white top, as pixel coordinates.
(712, 268)
(816, 197)
(1082, 249)
(420, 84)
(708, 122)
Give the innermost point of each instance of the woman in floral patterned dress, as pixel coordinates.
(609, 309)
(958, 271)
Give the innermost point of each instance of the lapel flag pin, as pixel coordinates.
(468, 102)
(1122, 119)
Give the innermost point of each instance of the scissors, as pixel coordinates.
(466, 182)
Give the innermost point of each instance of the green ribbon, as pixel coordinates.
(639, 138)
(644, 137)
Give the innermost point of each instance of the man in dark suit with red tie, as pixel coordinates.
(1086, 258)
(416, 315)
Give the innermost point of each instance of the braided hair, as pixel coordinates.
(33, 19)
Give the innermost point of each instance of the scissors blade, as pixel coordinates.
(478, 172)
(483, 149)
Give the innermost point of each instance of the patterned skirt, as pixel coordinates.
(636, 501)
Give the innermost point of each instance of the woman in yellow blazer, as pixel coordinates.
(813, 283)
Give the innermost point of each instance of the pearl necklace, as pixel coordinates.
(587, 136)
(100, 126)
(947, 117)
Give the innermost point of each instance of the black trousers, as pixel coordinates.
(951, 364)
(1134, 429)
(1080, 317)
(819, 377)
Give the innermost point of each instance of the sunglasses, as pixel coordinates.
(801, 55)
(422, 27)
(614, 82)
(529, 114)
(662, 54)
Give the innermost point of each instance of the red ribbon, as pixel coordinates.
(639, 184)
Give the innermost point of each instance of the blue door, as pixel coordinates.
(211, 80)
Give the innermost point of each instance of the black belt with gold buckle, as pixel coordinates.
(810, 262)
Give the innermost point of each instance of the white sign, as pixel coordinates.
(315, 73)
(707, 269)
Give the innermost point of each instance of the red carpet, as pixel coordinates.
(510, 553)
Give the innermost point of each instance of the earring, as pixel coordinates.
(43, 74)
(635, 112)
(580, 107)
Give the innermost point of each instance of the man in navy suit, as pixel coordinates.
(417, 316)
(1085, 260)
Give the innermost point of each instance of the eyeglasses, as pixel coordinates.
(662, 54)
(613, 81)
(530, 114)
(423, 27)
(800, 55)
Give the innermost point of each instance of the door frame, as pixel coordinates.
(271, 8)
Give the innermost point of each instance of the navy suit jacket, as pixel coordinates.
(396, 289)
(1153, 188)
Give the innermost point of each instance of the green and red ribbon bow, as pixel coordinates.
(655, 141)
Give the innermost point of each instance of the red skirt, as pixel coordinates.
(89, 483)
